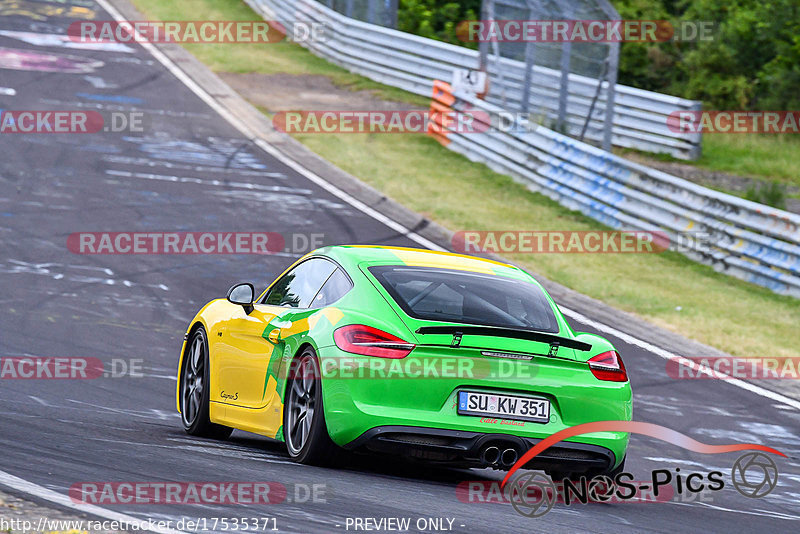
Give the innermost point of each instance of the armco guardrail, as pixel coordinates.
(748, 240)
(412, 63)
(745, 239)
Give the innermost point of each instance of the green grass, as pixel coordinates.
(774, 157)
(769, 157)
(262, 58)
(666, 289)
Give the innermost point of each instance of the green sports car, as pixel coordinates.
(430, 355)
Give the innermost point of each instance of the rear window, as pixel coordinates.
(455, 296)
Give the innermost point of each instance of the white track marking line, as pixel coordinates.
(667, 355)
(30, 488)
(297, 167)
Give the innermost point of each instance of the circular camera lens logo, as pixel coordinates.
(601, 488)
(754, 475)
(532, 494)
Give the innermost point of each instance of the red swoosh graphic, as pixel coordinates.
(634, 427)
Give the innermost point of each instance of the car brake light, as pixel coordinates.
(608, 366)
(368, 341)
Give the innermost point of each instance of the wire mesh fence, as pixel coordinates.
(550, 67)
(381, 12)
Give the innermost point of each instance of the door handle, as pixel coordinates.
(274, 335)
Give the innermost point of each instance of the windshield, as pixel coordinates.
(466, 297)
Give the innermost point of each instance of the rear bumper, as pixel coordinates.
(357, 407)
(468, 449)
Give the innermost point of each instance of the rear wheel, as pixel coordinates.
(195, 390)
(304, 428)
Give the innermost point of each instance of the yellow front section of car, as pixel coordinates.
(240, 392)
(249, 359)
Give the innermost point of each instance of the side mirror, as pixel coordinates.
(243, 294)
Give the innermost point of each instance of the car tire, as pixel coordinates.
(304, 429)
(195, 390)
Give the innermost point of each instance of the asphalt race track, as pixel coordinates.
(190, 170)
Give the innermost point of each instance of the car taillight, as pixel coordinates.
(368, 341)
(608, 366)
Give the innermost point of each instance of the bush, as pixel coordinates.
(752, 63)
(436, 19)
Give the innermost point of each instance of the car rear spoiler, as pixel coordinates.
(531, 335)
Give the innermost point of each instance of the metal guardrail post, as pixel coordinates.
(487, 13)
(391, 13)
(696, 138)
(530, 52)
(597, 92)
(563, 90)
(613, 66)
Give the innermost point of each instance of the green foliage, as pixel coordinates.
(752, 62)
(437, 19)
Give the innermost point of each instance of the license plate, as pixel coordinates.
(514, 407)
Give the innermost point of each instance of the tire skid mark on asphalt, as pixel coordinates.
(152, 413)
(121, 106)
(147, 162)
(762, 513)
(230, 450)
(209, 182)
(60, 271)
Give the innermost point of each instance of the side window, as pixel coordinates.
(297, 287)
(334, 289)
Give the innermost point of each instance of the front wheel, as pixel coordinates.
(195, 389)
(304, 428)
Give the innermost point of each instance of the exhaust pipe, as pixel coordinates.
(490, 455)
(509, 457)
